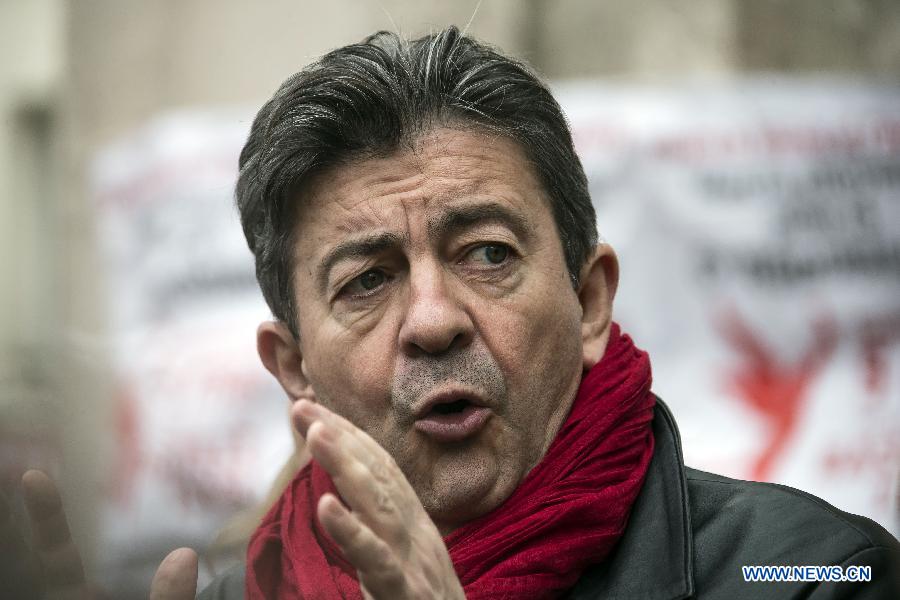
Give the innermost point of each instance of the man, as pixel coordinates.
(478, 424)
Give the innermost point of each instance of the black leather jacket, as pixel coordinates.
(690, 533)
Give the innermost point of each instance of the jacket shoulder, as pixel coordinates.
(753, 509)
(737, 523)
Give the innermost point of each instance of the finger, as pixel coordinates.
(176, 577)
(364, 473)
(369, 491)
(376, 563)
(336, 450)
(305, 413)
(351, 443)
(53, 543)
(352, 440)
(19, 573)
(45, 509)
(11, 543)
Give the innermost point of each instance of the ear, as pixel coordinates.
(599, 278)
(280, 354)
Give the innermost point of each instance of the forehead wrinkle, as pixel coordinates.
(370, 209)
(358, 220)
(460, 216)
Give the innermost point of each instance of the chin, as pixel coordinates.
(465, 490)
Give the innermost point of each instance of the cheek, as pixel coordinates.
(538, 340)
(352, 375)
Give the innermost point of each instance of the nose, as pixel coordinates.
(435, 319)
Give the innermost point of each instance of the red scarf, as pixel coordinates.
(567, 513)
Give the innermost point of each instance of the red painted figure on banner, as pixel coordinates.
(774, 388)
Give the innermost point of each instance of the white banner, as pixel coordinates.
(201, 427)
(758, 229)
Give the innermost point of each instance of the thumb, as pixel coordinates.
(176, 577)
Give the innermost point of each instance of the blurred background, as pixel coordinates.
(744, 158)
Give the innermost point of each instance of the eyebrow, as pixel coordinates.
(461, 217)
(452, 220)
(360, 247)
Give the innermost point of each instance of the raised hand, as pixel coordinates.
(52, 568)
(20, 571)
(387, 535)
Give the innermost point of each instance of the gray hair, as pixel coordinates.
(369, 99)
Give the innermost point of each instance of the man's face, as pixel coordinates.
(436, 313)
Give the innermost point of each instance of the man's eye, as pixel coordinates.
(371, 279)
(493, 254)
(367, 282)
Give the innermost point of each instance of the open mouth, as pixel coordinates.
(453, 421)
(449, 408)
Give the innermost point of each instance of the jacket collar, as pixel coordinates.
(654, 558)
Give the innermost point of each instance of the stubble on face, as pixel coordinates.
(441, 480)
(522, 354)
